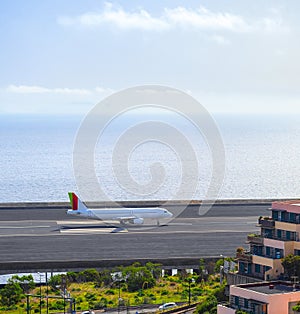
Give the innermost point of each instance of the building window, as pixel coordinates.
(279, 233)
(278, 253)
(279, 216)
(275, 215)
(292, 217)
(246, 303)
(268, 251)
(257, 268)
(267, 233)
(236, 301)
(288, 235)
(284, 216)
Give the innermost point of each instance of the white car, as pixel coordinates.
(88, 312)
(167, 306)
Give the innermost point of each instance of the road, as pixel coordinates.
(30, 235)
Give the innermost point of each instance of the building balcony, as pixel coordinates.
(283, 239)
(255, 239)
(266, 222)
(244, 256)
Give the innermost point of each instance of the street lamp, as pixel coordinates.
(64, 290)
(40, 291)
(222, 268)
(119, 296)
(47, 291)
(190, 280)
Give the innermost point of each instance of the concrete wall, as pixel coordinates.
(146, 203)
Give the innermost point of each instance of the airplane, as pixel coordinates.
(134, 216)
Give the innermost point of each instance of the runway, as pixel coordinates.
(45, 235)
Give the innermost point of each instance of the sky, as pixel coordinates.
(64, 56)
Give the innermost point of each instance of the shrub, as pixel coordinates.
(296, 308)
(89, 275)
(101, 304)
(11, 294)
(91, 296)
(147, 300)
(208, 305)
(54, 282)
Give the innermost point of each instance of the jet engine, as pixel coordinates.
(137, 221)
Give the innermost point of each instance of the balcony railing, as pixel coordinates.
(244, 256)
(274, 237)
(272, 256)
(255, 239)
(266, 222)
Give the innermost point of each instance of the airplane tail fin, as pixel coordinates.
(76, 202)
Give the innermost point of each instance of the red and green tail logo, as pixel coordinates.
(74, 200)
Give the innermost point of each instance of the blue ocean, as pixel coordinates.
(262, 158)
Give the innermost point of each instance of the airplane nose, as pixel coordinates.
(170, 214)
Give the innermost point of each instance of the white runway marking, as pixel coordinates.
(24, 227)
(92, 231)
(80, 222)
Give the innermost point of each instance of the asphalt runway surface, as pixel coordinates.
(49, 234)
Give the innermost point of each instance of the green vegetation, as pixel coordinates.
(135, 284)
(296, 308)
(291, 264)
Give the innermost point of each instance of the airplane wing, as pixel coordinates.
(131, 219)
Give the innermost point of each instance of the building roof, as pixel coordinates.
(291, 206)
(274, 287)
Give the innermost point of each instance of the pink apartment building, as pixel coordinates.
(275, 297)
(279, 236)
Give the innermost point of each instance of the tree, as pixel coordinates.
(11, 294)
(209, 305)
(203, 273)
(219, 293)
(155, 269)
(137, 276)
(89, 275)
(105, 276)
(291, 265)
(26, 282)
(55, 281)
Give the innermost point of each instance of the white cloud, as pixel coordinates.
(25, 89)
(205, 19)
(172, 18)
(118, 17)
(34, 89)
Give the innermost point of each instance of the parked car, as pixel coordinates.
(167, 306)
(88, 312)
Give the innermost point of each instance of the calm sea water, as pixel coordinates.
(262, 158)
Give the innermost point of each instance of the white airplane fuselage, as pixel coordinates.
(122, 213)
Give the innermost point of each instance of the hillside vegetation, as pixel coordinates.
(124, 286)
